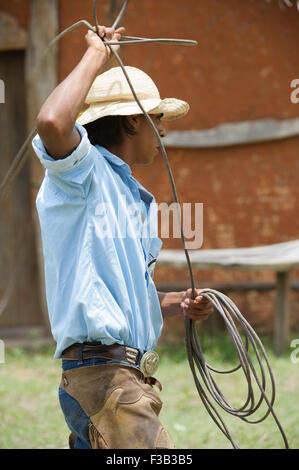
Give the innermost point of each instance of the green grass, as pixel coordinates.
(30, 414)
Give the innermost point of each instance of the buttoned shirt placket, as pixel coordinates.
(140, 202)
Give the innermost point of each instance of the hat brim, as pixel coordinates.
(171, 108)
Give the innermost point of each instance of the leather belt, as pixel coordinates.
(81, 351)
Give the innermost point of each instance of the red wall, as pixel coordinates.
(73, 45)
(17, 8)
(241, 70)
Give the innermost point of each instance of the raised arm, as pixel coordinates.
(57, 117)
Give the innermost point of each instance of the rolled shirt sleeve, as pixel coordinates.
(72, 173)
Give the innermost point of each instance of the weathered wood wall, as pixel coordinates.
(29, 28)
(19, 296)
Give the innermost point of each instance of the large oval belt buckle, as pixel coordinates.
(149, 363)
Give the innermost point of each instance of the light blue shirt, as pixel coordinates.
(100, 243)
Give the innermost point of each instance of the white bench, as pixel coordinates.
(281, 258)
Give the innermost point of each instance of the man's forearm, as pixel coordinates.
(57, 117)
(66, 101)
(170, 303)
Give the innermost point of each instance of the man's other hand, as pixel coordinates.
(199, 308)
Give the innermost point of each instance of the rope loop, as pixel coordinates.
(206, 385)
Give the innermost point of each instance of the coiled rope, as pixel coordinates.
(207, 388)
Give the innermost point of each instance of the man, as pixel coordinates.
(104, 309)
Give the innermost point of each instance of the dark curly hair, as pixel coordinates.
(108, 130)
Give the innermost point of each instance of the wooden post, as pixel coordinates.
(281, 325)
(43, 28)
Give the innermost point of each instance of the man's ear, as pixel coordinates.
(134, 121)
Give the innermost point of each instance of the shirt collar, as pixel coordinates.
(114, 159)
(144, 194)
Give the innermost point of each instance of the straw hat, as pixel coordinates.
(110, 95)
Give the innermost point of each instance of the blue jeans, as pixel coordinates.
(75, 417)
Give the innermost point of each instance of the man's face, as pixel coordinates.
(146, 145)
